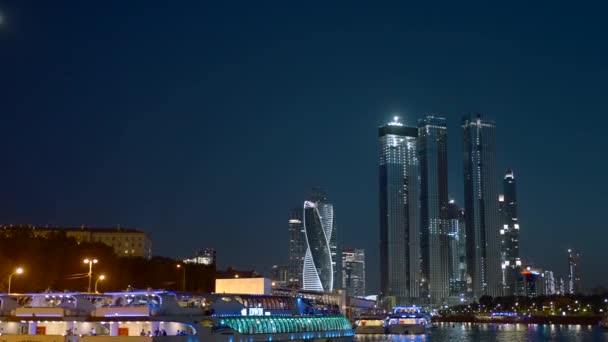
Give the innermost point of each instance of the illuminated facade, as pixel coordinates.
(297, 248)
(125, 242)
(205, 256)
(509, 233)
(434, 249)
(399, 213)
(457, 250)
(481, 207)
(320, 233)
(353, 271)
(573, 285)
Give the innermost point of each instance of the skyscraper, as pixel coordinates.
(320, 234)
(399, 208)
(481, 206)
(297, 248)
(432, 155)
(457, 265)
(353, 271)
(574, 277)
(509, 233)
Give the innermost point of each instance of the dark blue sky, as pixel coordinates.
(204, 123)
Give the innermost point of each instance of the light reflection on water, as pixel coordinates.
(499, 333)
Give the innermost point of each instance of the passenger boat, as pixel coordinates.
(407, 320)
(370, 324)
(163, 316)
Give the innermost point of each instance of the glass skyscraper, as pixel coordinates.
(432, 155)
(457, 247)
(481, 207)
(574, 278)
(399, 207)
(320, 234)
(353, 271)
(297, 248)
(509, 232)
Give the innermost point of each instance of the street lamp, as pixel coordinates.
(19, 270)
(90, 262)
(183, 267)
(101, 277)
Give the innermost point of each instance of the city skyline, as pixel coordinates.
(205, 128)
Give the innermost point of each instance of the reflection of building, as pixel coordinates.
(297, 248)
(279, 275)
(432, 155)
(481, 206)
(320, 233)
(457, 250)
(353, 271)
(125, 242)
(574, 277)
(204, 256)
(509, 233)
(399, 213)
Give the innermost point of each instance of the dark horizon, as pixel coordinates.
(200, 122)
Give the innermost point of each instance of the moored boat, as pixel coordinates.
(407, 320)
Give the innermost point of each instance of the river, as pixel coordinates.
(498, 332)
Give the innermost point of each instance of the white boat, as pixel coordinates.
(408, 320)
(373, 324)
(163, 316)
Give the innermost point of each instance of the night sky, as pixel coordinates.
(204, 123)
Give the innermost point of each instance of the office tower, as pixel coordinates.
(399, 207)
(457, 250)
(320, 234)
(297, 248)
(509, 233)
(549, 283)
(574, 277)
(353, 271)
(433, 163)
(481, 206)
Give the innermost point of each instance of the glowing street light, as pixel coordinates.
(101, 277)
(19, 270)
(90, 262)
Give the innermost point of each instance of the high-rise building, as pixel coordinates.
(481, 207)
(399, 209)
(297, 248)
(320, 235)
(457, 250)
(509, 233)
(433, 161)
(353, 271)
(574, 277)
(550, 288)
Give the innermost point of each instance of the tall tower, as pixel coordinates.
(297, 248)
(509, 233)
(399, 208)
(432, 155)
(481, 206)
(353, 271)
(574, 278)
(457, 266)
(320, 235)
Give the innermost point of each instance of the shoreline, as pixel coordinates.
(569, 320)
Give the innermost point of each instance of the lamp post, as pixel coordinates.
(90, 262)
(101, 277)
(19, 270)
(183, 267)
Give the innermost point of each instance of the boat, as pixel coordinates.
(370, 324)
(407, 320)
(165, 316)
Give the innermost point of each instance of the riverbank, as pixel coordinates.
(534, 319)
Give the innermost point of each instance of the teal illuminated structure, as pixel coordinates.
(280, 325)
